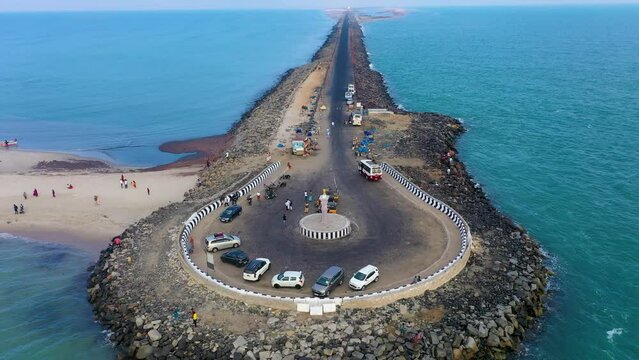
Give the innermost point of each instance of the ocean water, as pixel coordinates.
(44, 313)
(550, 97)
(117, 85)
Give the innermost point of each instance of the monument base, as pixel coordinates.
(334, 226)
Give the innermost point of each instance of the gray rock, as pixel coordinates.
(139, 321)
(239, 342)
(349, 330)
(471, 344)
(434, 338)
(265, 355)
(154, 335)
(144, 352)
(493, 340)
(483, 330)
(357, 355)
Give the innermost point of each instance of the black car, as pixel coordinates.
(230, 213)
(235, 257)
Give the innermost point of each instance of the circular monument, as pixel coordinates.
(325, 226)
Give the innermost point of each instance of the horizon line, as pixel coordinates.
(143, 9)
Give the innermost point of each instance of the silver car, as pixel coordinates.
(221, 241)
(330, 279)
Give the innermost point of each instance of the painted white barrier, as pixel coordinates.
(319, 306)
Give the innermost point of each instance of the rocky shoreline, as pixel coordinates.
(141, 293)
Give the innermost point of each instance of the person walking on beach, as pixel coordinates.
(134, 184)
(148, 191)
(53, 192)
(194, 317)
(126, 183)
(21, 209)
(15, 209)
(24, 195)
(121, 183)
(95, 199)
(35, 192)
(288, 165)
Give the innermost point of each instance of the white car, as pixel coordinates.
(288, 279)
(256, 268)
(364, 277)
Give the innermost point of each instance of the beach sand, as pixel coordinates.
(73, 217)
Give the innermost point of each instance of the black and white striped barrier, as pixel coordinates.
(314, 305)
(326, 235)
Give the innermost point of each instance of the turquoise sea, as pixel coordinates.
(117, 85)
(550, 97)
(44, 313)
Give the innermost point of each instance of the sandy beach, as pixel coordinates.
(72, 216)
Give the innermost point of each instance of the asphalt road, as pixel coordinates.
(391, 232)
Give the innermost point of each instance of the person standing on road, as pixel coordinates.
(306, 208)
(284, 218)
(258, 195)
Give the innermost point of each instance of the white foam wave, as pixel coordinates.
(610, 334)
(371, 66)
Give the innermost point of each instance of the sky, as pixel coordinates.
(91, 5)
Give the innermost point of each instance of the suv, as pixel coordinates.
(364, 277)
(230, 213)
(329, 280)
(236, 257)
(288, 279)
(256, 268)
(219, 241)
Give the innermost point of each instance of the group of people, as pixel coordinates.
(18, 210)
(124, 183)
(288, 205)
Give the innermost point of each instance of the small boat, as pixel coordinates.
(8, 143)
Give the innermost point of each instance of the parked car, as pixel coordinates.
(330, 279)
(220, 241)
(236, 257)
(288, 279)
(256, 268)
(230, 213)
(362, 278)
